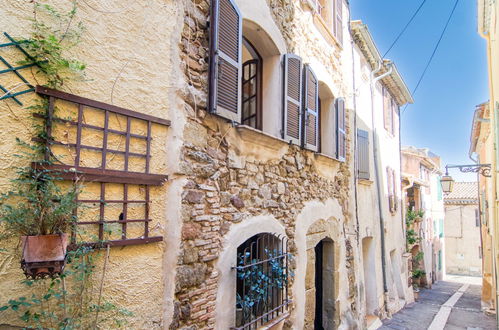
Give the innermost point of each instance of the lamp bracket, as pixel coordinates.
(483, 169)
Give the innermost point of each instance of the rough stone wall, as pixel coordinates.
(224, 187)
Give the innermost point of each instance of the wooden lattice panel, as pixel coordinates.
(109, 150)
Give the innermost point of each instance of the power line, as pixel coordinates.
(405, 28)
(434, 51)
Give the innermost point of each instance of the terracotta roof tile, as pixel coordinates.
(463, 193)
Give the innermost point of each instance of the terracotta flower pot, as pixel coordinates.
(44, 255)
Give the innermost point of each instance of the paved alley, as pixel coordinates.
(448, 305)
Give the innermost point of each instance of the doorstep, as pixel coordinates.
(373, 322)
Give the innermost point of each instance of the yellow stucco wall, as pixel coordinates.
(130, 49)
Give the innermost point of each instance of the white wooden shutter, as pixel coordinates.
(310, 118)
(225, 60)
(340, 129)
(292, 99)
(338, 21)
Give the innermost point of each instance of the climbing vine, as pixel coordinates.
(54, 33)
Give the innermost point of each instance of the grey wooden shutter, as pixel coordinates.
(391, 196)
(340, 129)
(292, 98)
(395, 191)
(310, 118)
(225, 60)
(363, 154)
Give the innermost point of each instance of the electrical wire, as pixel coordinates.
(434, 51)
(405, 28)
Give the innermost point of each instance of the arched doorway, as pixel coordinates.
(324, 285)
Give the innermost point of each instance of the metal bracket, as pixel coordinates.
(483, 169)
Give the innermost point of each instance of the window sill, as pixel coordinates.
(324, 157)
(253, 135)
(365, 182)
(326, 31)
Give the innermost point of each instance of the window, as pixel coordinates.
(387, 111)
(477, 218)
(340, 129)
(251, 85)
(246, 84)
(262, 280)
(331, 13)
(301, 103)
(392, 190)
(363, 154)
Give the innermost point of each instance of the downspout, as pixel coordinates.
(470, 154)
(378, 182)
(356, 174)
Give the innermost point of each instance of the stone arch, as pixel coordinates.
(318, 221)
(256, 14)
(238, 234)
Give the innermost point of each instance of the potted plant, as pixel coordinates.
(415, 289)
(41, 213)
(417, 274)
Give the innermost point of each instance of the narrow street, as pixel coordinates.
(448, 305)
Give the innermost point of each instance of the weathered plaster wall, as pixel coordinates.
(131, 52)
(462, 240)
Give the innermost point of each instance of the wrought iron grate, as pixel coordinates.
(121, 196)
(262, 281)
(13, 94)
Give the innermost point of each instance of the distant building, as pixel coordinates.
(463, 254)
(421, 184)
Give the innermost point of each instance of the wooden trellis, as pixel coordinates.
(102, 173)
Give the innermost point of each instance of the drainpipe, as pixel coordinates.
(378, 181)
(356, 174)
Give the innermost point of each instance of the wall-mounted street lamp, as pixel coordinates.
(447, 181)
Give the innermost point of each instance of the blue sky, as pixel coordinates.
(456, 81)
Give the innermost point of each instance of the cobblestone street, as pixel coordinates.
(448, 305)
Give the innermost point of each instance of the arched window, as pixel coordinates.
(262, 280)
(251, 86)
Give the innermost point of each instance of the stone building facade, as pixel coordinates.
(259, 155)
(380, 92)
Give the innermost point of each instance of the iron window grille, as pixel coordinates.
(134, 183)
(262, 281)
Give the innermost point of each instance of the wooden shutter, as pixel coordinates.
(340, 129)
(387, 110)
(363, 154)
(225, 60)
(338, 21)
(390, 177)
(395, 191)
(292, 98)
(395, 119)
(310, 118)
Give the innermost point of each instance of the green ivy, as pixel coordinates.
(53, 34)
